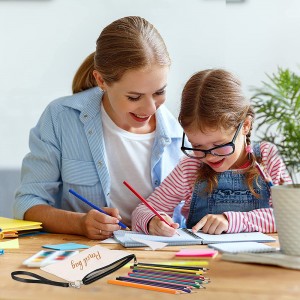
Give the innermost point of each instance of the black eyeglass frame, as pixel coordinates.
(209, 151)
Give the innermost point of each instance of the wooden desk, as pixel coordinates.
(228, 280)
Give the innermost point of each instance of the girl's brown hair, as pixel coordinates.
(125, 44)
(213, 99)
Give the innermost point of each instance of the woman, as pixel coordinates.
(113, 128)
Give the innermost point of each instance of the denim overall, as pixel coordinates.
(231, 194)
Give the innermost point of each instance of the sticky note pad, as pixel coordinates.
(196, 253)
(11, 244)
(66, 246)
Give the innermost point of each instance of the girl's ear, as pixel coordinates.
(247, 125)
(99, 80)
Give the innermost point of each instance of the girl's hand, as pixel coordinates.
(98, 226)
(158, 227)
(212, 224)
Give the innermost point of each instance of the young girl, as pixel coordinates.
(219, 177)
(114, 128)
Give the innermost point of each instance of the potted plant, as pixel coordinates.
(277, 107)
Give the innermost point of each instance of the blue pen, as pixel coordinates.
(93, 206)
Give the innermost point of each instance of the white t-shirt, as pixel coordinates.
(128, 156)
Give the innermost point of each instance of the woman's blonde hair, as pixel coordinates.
(213, 99)
(125, 44)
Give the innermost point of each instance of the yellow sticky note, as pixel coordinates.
(11, 244)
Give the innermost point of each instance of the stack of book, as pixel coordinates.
(11, 228)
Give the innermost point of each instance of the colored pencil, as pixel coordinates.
(189, 284)
(199, 272)
(155, 283)
(172, 266)
(147, 203)
(167, 276)
(94, 206)
(200, 263)
(267, 178)
(171, 274)
(143, 286)
(175, 274)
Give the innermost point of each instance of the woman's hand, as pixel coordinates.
(98, 226)
(158, 227)
(212, 224)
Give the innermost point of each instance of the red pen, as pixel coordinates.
(146, 203)
(267, 178)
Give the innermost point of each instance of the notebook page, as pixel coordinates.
(235, 237)
(188, 238)
(124, 237)
(238, 247)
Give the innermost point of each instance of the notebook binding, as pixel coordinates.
(191, 233)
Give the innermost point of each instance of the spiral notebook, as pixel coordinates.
(240, 247)
(187, 237)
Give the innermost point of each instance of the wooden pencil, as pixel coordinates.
(143, 286)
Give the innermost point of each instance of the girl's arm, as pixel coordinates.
(177, 186)
(256, 220)
(261, 219)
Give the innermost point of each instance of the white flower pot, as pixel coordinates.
(286, 204)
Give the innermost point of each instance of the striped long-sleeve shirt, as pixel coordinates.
(179, 186)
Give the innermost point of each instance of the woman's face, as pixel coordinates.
(214, 138)
(131, 102)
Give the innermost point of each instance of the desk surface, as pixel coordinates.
(228, 280)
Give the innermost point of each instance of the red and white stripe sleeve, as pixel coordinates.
(177, 186)
(261, 219)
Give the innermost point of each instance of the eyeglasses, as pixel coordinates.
(222, 150)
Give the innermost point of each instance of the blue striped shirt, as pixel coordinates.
(67, 151)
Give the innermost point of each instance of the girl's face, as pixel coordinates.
(214, 138)
(131, 102)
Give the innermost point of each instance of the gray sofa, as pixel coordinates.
(9, 181)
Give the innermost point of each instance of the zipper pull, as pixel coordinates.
(76, 284)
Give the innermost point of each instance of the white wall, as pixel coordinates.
(42, 42)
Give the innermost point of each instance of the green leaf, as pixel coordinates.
(277, 107)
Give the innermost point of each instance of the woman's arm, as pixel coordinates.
(94, 225)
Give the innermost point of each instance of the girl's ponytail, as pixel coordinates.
(251, 172)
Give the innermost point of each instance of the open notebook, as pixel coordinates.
(187, 237)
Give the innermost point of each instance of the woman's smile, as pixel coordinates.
(139, 118)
